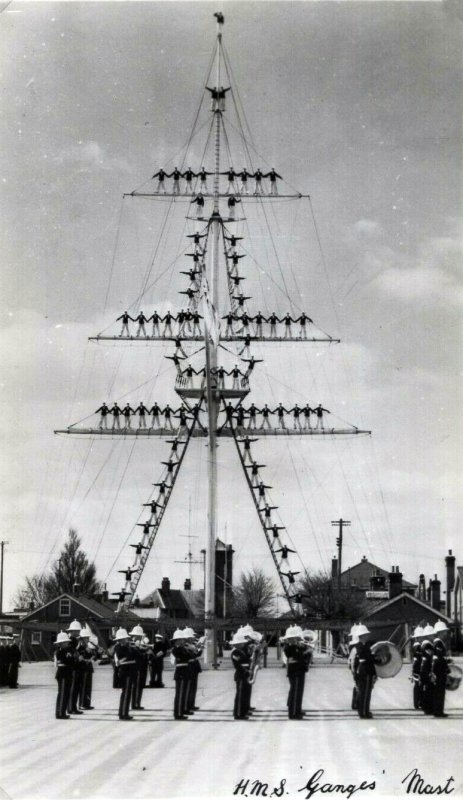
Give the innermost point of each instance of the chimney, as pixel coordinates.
(165, 585)
(187, 585)
(334, 567)
(450, 569)
(435, 593)
(395, 582)
(422, 588)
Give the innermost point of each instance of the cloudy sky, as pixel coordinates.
(358, 104)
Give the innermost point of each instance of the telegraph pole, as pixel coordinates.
(340, 523)
(2, 547)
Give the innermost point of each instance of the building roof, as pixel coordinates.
(410, 599)
(104, 611)
(360, 575)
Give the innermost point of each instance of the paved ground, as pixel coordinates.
(96, 756)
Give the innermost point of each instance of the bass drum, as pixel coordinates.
(454, 677)
(388, 661)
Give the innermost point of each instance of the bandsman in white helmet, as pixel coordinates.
(194, 669)
(364, 671)
(241, 660)
(439, 670)
(158, 651)
(77, 672)
(140, 651)
(124, 656)
(352, 645)
(295, 651)
(415, 676)
(64, 662)
(87, 654)
(182, 654)
(427, 685)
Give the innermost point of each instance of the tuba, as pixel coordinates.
(388, 660)
(453, 679)
(255, 662)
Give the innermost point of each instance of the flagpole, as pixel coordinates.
(210, 650)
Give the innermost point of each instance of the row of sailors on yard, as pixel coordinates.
(244, 418)
(189, 321)
(237, 182)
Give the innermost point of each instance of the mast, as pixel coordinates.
(212, 398)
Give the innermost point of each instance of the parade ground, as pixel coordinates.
(213, 756)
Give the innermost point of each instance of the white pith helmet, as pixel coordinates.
(189, 633)
(255, 636)
(158, 636)
(85, 633)
(239, 638)
(362, 630)
(75, 625)
(121, 633)
(62, 637)
(428, 631)
(353, 630)
(137, 630)
(294, 632)
(247, 630)
(178, 634)
(418, 632)
(440, 626)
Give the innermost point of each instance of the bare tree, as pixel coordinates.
(253, 596)
(31, 593)
(322, 598)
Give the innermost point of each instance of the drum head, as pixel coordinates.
(388, 661)
(454, 677)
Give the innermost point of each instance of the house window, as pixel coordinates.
(64, 607)
(36, 637)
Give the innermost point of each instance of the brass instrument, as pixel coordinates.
(258, 649)
(388, 659)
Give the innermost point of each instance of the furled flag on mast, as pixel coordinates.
(211, 321)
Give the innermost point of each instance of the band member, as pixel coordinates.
(159, 650)
(364, 671)
(196, 648)
(439, 672)
(140, 654)
(427, 686)
(87, 653)
(182, 654)
(124, 657)
(416, 675)
(14, 652)
(241, 660)
(78, 667)
(296, 660)
(64, 662)
(350, 663)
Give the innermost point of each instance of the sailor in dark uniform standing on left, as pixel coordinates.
(364, 671)
(296, 659)
(77, 671)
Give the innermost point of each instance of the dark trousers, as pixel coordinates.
(416, 695)
(365, 687)
(85, 694)
(296, 693)
(126, 678)
(242, 698)
(64, 678)
(116, 681)
(138, 686)
(355, 698)
(13, 676)
(192, 689)
(427, 698)
(181, 692)
(156, 668)
(439, 699)
(77, 676)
